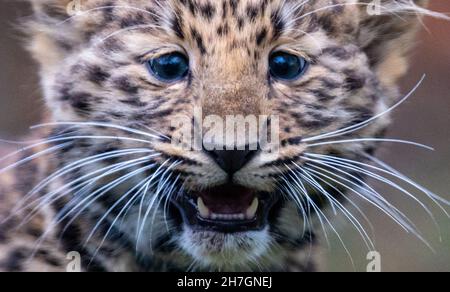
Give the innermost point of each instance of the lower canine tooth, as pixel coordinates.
(202, 209)
(251, 211)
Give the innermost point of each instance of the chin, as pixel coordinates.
(218, 251)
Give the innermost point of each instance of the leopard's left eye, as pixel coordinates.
(285, 66)
(170, 67)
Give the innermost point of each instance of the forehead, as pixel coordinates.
(259, 21)
(235, 16)
(250, 13)
(223, 25)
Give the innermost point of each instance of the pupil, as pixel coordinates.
(170, 67)
(286, 66)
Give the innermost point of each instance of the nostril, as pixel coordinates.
(232, 160)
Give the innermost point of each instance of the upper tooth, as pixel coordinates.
(202, 209)
(251, 211)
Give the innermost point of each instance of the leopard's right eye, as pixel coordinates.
(285, 66)
(170, 67)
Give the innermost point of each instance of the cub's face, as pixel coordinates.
(128, 71)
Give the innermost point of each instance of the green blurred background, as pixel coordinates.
(424, 118)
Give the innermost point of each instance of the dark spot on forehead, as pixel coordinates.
(177, 25)
(208, 10)
(327, 24)
(261, 36)
(224, 9)
(199, 40)
(234, 6)
(240, 23)
(190, 5)
(223, 29)
(133, 20)
(277, 23)
(252, 12)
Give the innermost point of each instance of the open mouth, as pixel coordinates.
(227, 209)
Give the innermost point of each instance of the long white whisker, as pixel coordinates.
(320, 213)
(141, 185)
(101, 192)
(358, 226)
(31, 157)
(49, 198)
(61, 216)
(97, 124)
(401, 176)
(85, 12)
(302, 189)
(79, 164)
(372, 140)
(392, 172)
(403, 221)
(329, 163)
(376, 199)
(141, 205)
(117, 32)
(354, 205)
(155, 197)
(364, 124)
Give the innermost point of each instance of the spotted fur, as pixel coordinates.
(92, 70)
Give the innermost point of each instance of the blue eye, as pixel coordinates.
(286, 66)
(170, 67)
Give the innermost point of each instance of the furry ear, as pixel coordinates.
(48, 10)
(52, 37)
(386, 33)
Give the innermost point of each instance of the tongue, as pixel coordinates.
(228, 199)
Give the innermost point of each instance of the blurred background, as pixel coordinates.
(424, 118)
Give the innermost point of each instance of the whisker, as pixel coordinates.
(392, 172)
(117, 32)
(302, 190)
(396, 215)
(62, 215)
(155, 197)
(319, 214)
(141, 185)
(399, 175)
(101, 192)
(298, 200)
(330, 164)
(81, 163)
(354, 205)
(98, 124)
(31, 157)
(372, 140)
(48, 198)
(355, 222)
(365, 123)
(85, 12)
(141, 205)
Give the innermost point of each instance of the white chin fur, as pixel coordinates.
(219, 251)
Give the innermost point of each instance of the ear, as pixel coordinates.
(51, 36)
(386, 33)
(53, 9)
